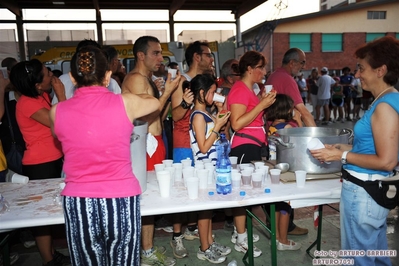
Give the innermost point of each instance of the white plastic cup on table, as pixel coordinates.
(171, 170)
(188, 172)
(218, 98)
(265, 170)
(19, 179)
(258, 164)
(186, 163)
(211, 169)
(172, 72)
(246, 177)
(300, 176)
(233, 161)
(275, 176)
(268, 88)
(206, 161)
(192, 187)
(164, 181)
(159, 167)
(199, 166)
(236, 179)
(256, 180)
(178, 171)
(167, 163)
(202, 175)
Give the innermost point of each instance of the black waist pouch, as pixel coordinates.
(385, 192)
(264, 149)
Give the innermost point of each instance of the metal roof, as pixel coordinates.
(237, 7)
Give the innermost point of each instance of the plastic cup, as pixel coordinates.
(246, 177)
(5, 73)
(235, 179)
(186, 163)
(256, 180)
(268, 88)
(211, 170)
(19, 179)
(188, 172)
(218, 98)
(159, 167)
(275, 176)
(300, 176)
(233, 161)
(192, 187)
(259, 164)
(202, 175)
(167, 163)
(164, 179)
(178, 171)
(172, 72)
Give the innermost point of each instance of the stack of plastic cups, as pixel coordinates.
(186, 162)
(171, 170)
(211, 172)
(178, 172)
(188, 172)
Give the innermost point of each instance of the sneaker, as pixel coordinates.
(157, 258)
(291, 246)
(61, 259)
(163, 224)
(342, 120)
(191, 235)
(348, 119)
(211, 255)
(179, 251)
(27, 239)
(243, 247)
(234, 236)
(224, 250)
(14, 256)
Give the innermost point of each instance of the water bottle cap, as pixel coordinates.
(242, 193)
(267, 190)
(211, 193)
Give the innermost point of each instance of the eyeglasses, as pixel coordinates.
(300, 62)
(210, 55)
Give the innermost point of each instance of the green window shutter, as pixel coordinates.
(302, 41)
(331, 42)
(372, 36)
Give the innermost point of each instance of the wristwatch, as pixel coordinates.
(343, 158)
(184, 104)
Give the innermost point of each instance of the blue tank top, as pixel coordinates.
(363, 142)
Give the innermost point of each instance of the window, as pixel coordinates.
(376, 14)
(331, 42)
(372, 36)
(302, 41)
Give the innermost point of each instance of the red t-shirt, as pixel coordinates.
(284, 83)
(41, 146)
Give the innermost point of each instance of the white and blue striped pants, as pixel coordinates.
(103, 231)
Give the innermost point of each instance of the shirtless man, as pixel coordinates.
(148, 53)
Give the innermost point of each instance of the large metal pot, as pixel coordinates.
(138, 150)
(291, 144)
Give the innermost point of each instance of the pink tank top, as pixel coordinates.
(94, 131)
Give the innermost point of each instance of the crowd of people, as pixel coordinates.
(58, 123)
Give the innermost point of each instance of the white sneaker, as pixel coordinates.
(179, 251)
(224, 250)
(234, 236)
(243, 247)
(191, 235)
(157, 258)
(211, 255)
(291, 246)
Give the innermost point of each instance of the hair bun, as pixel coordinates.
(86, 63)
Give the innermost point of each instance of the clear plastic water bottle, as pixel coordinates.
(223, 166)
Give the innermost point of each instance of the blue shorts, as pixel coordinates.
(181, 154)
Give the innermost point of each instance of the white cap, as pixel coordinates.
(324, 69)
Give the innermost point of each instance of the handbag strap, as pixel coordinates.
(243, 135)
(9, 118)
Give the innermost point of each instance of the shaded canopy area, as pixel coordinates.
(237, 7)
